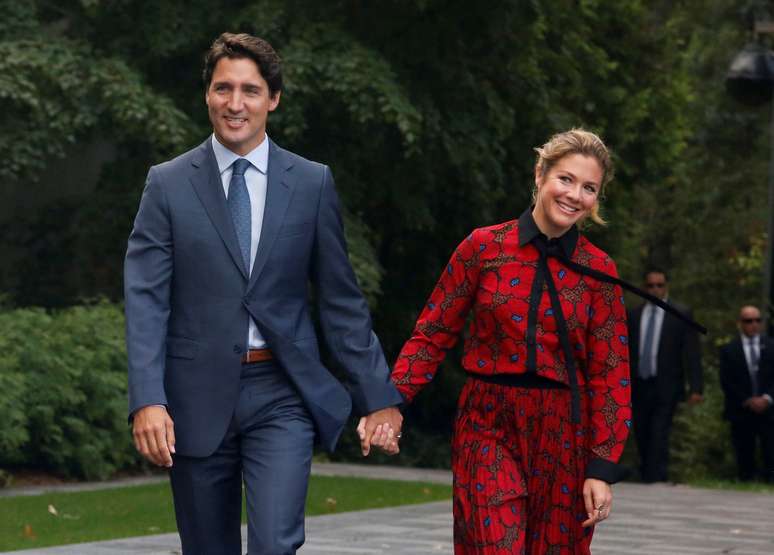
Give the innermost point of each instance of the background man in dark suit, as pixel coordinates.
(225, 380)
(662, 349)
(747, 378)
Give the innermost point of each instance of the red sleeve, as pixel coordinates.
(441, 320)
(608, 372)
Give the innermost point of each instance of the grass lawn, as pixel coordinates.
(60, 518)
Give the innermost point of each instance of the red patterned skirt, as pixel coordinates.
(519, 466)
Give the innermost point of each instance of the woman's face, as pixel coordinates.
(567, 193)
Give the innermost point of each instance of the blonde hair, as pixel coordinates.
(576, 141)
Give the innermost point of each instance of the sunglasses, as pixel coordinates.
(655, 285)
(751, 320)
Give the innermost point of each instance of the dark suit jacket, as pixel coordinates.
(735, 376)
(188, 299)
(679, 353)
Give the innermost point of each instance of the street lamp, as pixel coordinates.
(750, 79)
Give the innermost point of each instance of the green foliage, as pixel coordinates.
(13, 433)
(19, 18)
(63, 400)
(363, 258)
(701, 442)
(58, 91)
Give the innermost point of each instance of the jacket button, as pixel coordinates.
(238, 349)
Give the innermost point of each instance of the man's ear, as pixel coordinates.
(274, 101)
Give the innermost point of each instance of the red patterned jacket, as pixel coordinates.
(491, 273)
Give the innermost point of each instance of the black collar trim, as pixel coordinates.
(528, 231)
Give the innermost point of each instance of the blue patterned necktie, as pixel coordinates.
(647, 369)
(239, 204)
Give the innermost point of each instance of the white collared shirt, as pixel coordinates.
(651, 311)
(752, 350)
(255, 177)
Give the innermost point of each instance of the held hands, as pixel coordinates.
(381, 428)
(598, 498)
(154, 434)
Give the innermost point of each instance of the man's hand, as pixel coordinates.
(598, 498)
(695, 398)
(381, 428)
(758, 404)
(154, 434)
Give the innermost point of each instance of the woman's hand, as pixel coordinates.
(598, 498)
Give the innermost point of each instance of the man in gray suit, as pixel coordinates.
(225, 380)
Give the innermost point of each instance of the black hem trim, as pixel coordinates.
(606, 471)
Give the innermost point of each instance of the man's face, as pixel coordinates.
(750, 321)
(656, 285)
(238, 102)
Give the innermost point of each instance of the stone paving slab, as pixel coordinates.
(648, 520)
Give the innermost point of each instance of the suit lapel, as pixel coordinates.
(634, 340)
(666, 326)
(765, 345)
(209, 188)
(279, 190)
(741, 360)
(670, 326)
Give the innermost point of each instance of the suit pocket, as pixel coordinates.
(179, 347)
(291, 230)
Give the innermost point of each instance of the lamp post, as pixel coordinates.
(750, 79)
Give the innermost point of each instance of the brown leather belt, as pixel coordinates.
(257, 355)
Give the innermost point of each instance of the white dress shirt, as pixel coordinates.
(752, 352)
(255, 177)
(651, 311)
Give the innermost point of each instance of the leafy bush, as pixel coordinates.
(63, 391)
(701, 441)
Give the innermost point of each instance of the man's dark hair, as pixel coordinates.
(655, 270)
(242, 45)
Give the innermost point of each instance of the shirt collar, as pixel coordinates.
(258, 157)
(751, 340)
(656, 307)
(528, 231)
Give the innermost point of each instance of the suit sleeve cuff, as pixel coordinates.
(606, 471)
(131, 416)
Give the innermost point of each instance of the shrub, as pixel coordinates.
(63, 391)
(701, 441)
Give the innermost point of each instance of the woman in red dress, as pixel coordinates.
(544, 414)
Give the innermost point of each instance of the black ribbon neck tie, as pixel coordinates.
(553, 249)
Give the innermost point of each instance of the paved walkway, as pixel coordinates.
(648, 520)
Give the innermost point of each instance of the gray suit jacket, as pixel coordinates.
(188, 299)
